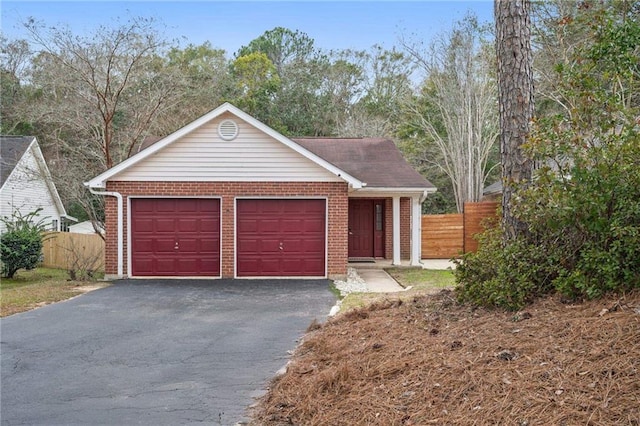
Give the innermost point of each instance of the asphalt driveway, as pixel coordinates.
(156, 352)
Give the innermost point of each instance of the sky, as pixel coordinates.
(229, 25)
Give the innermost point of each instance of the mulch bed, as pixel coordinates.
(431, 361)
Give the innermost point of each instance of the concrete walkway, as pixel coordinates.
(379, 281)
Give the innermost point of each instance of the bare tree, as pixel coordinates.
(456, 108)
(99, 96)
(515, 82)
(103, 90)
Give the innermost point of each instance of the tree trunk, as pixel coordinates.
(515, 98)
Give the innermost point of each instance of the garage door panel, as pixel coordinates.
(188, 206)
(143, 225)
(187, 246)
(249, 265)
(145, 206)
(143, 265)
(165, 225)
(163, 205)
(209, 225)
(166, 267)
(144, 245)
(248, 246)
(188, 225)
(175, 237)
(163, 245)
(268, 245)
(281, 237)
(209, 246)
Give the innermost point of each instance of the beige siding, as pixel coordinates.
(203, 156)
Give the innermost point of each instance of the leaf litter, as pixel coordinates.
(429, 360)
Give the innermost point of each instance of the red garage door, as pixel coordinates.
(173, 237)
(281, 238)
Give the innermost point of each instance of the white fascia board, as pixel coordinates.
(99, 181)
(390, 192)
(46, 176)
(368, 192)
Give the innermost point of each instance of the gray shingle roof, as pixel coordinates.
(12, 148)
(378, 162)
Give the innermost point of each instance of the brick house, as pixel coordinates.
(227, 196)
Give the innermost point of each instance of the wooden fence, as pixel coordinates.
(67, 250)
(448, 235)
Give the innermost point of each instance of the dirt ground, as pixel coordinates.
(430, 361)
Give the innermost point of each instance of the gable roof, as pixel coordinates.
(100, 180)
(377, 162)
(12, 148)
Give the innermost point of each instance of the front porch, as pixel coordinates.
(383, 226)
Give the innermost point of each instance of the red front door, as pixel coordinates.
(281, 238)
(175, 237)
(366, 228)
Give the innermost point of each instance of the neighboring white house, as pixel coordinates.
(85, 227)
(26, 183)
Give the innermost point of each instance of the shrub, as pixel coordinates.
(582, 207)
(504, 276)
(21, 243)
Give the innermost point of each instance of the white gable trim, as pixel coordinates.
(46, 176)
(100, 180)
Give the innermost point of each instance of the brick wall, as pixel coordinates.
(337, 199)
(405, 228)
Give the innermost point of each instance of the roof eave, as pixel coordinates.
(46, 175)
(398, 190)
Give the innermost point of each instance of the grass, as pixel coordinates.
(420, 280)
(41, 286)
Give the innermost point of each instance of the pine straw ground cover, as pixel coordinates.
(430, 361)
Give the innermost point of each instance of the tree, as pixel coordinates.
(97, 97)
(582, 205)
(455, 108)
(559, 30)
(516, 102)
(296, 105)
(382, 81)
(257, 82)
(206, 83)
(283, 47)
(14, 65)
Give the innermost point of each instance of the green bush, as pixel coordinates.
(21, 243)
(582, 207)
(504, 276)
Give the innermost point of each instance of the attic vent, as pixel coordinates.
(228, 130)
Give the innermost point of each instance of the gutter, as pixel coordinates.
(120, 224)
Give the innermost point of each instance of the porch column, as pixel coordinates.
(396, 231)
(416, 231)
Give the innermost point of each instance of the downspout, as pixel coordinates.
(120, 225)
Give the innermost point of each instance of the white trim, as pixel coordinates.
(100, 180)
(160, 197)
(369, 192)
(45, 174)
(119, 226)
(396, 231)
(416, 231)
(296, 197)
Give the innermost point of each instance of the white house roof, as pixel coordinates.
(100, 180)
